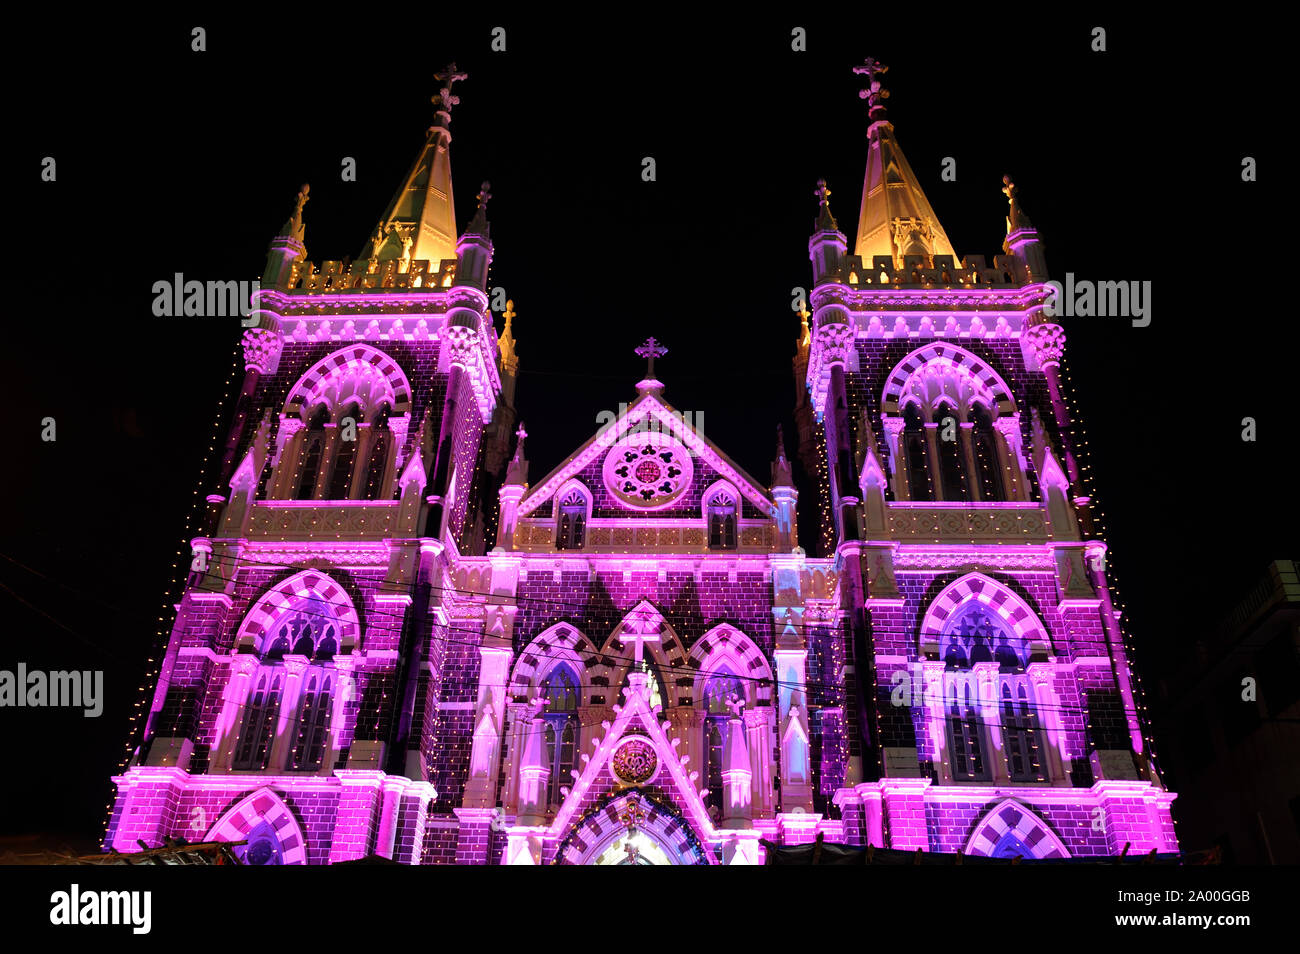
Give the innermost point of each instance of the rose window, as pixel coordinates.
(650, 473)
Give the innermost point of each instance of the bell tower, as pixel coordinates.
(984, 647)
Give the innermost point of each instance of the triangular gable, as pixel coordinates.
(647, 406)
(636, 712)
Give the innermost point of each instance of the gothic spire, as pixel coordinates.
(896, 218)
(424, 210)
(479, 224)
(506, 343)
(825, 221)
(1016, 218)
(781, 475)
(517, 473)
(294, 227)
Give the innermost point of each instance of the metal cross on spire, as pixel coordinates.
(650, 350)
(824, 218)
(446, 99)
(875, 94)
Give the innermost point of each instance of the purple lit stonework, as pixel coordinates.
(393, 643)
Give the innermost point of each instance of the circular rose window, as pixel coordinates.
(634, 761)
(649, 473)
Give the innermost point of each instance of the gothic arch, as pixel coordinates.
(998, 597)
(1012, 818)
(572, 484)
(321, 383)
(669, 654)
(724, 645)
(599, 828)
(263, 806)
(561, 643)
(723, 486)
(979, 381)
(280, 598)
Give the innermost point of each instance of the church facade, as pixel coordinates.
(393, 642)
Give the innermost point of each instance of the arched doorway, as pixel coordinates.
(631, 827)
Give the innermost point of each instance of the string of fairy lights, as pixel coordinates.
(162, 633)
(827, 540)
(668, 668)
(1085, 476)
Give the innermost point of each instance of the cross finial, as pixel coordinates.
(1016, 218)
(825, 221)
(875, 94)
(484, 193)
(650, 350)
(294, 226)
(736, 705)
(638, 635)
(510, 309)
(446, 99)
(519, 445)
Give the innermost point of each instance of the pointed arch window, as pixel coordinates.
(306, 629)
(952, 472)
(345, 453)
(561, 714)
(988, 470)
(313, 721)
(313, 449)
(975, 635)
(377, 465)
(1020, 735)
(721, 510)
(918, 473)
(262, 846)
(573, 521)
(253, 750)
(720, 689)
(966, 737)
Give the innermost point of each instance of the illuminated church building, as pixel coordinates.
(395, 641)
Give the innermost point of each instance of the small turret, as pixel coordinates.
(786, 497)
(288, 247)
(1022, 240)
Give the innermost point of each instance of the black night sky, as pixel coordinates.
(171, 161)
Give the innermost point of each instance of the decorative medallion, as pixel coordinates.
(648, 471)
(634, 761)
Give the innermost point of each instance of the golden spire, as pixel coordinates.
(506, 343)
(896, 218)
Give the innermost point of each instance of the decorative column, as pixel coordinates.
(964, 432)
(990, 713)
(1047, 719)
(512, 491)
(238, 685)
(936, 716)
(534, 771)
(1011, 456)
(737, 773)
(287, 718)
(485, 756)
(758, 724)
